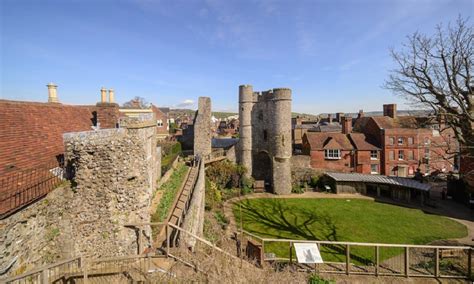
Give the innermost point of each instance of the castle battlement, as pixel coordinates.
(265, 135)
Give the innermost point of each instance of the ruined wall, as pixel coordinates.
(113, 173)
(202, 128)
(265, 136)
(194, 221)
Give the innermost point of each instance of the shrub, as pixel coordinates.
(316, 279)
(222, 220)
(225, 174)
(213, 196)
(297, 189)
(314, 181)
(169, 152)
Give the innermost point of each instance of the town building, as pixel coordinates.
(409, 143)
(342, 152)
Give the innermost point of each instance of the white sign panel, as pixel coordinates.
(308, 253)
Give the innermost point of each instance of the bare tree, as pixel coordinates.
(136, 102)
(436, 72)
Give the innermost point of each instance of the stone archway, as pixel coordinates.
(262, 168)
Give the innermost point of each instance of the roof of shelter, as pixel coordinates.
(380, 179)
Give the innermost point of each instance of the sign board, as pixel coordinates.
(308, 253)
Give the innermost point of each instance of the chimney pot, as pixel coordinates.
(52, 93)
(111, 96)
(361, 113)
(390, 110)
(103, 95)
(329, 117)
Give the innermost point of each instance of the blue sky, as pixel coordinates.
(333, 54)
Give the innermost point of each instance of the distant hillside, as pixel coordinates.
(380, 113)
(310, 116)
(177, 112)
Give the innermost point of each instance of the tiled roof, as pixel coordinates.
(319, 140)
(223, 142)
(380, 179)
(362, 142)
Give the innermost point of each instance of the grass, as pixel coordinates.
(343, 220)
(170, 188)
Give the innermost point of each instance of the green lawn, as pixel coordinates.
(352, 220)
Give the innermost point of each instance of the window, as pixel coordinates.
(410, 155)
(391, 140)
(391, 155)
(401, 155)
(374, 169)
(400, 140)
(265, 135)
(410, 140)
(332, 154)
(427, 140)
(427, 153)
(374, 155)
(159, 123)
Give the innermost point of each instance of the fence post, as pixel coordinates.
(436, 262)
(407, 261)
(469, 263)
(291, 253)
(44, 276)
(377, 260)
(348, 259)
(167, 240)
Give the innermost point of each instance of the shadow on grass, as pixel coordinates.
(296, 222)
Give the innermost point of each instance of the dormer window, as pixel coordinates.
(332, 154)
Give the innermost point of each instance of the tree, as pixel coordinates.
(137, 102)
(436, 72)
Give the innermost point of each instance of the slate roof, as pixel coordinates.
(223, 142)
(380, 179)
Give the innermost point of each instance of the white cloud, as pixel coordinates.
(186, 103)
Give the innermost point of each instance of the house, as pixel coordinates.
(408, 143)
(343, 151)
(152, 112)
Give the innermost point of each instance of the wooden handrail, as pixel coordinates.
(40, 269)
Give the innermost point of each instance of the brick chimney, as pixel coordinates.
(103, 95)
(111, 96)
(329, 117)
(390, 110)
(361, 113)
(346, 125)
(52, 93)
(339, 117)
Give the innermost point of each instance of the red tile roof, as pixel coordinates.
(323, 140)
(31, 133)
(362, 142)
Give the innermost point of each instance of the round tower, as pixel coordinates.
(245, 116)
(282, 142)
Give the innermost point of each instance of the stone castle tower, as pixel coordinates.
(265, 136)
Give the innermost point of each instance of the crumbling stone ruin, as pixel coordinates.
(202, 128)
(265, 136)
(113, 173)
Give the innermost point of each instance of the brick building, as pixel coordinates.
(342, 151)
(408, 143)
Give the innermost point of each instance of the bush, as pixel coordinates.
(314, 181)
(221, 219)
(225, 174)
(297, 189)
(316, 279)
(169, 152)
(213, 196)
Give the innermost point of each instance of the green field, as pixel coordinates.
(352, 220)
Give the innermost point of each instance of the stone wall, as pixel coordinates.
(265, 136)
(202, 128)
(112, 175)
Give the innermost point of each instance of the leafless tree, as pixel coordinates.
(436, 72)
(136, 102)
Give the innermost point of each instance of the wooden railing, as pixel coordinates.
(411, 261)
